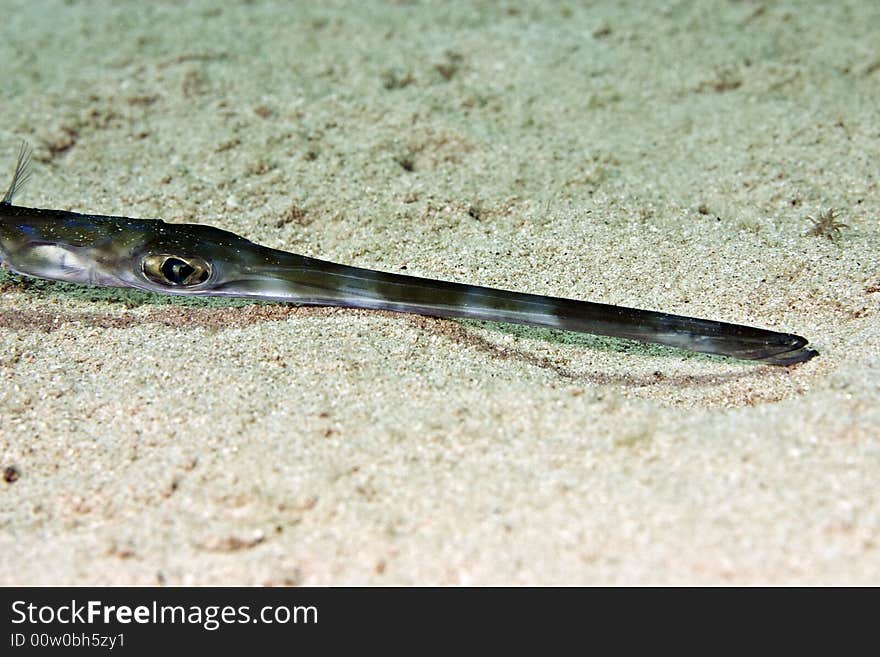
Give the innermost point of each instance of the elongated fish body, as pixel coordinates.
(197, 260)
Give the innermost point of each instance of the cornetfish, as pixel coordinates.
(199, 260)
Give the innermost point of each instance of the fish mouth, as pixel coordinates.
(793, 357)
(758, 345)
(796, 352)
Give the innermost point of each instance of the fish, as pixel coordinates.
(204, 261)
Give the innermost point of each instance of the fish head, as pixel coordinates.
(195, 259)
(151, 255)
(200, 260)
(146, 254)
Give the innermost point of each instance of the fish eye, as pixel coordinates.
(176, 271)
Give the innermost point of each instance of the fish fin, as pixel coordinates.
(22, 173)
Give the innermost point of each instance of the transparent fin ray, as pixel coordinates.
(22, 173)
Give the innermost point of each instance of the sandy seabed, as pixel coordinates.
(662, 156)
